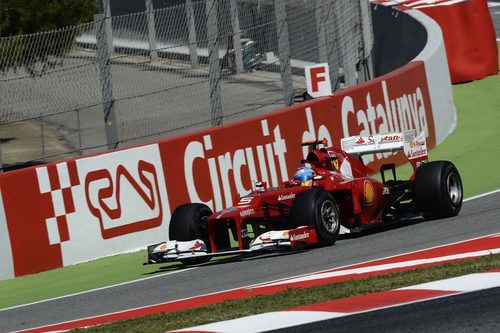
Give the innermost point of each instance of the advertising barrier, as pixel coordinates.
(78, 210)
(469, 34)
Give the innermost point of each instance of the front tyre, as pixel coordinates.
(317, 207)
(188, 222)
(438, 190)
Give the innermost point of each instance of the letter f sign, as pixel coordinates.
(318, 80)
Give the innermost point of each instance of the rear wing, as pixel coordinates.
(415, 148)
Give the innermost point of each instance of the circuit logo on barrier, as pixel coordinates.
(122, 203)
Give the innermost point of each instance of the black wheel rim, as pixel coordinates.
(454, 186)
(329, 216)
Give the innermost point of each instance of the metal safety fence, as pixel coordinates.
(129, 79)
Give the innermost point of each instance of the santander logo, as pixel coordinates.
(286, 196)
(301, 236)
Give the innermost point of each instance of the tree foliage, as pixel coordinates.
(23, 17)
(20, 17)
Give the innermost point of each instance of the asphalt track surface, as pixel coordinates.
(478, 217)
(470, 312)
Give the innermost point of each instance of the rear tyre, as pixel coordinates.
(188, 222)
(438, 190)
(317, 207)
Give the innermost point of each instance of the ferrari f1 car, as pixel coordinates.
(331, 193)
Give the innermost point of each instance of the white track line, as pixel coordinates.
(484, 194)
(386, 267)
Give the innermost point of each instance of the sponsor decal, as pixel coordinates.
(391, 138)
(286, 196)
(415, 144)
(301, 236)
(335, 162)
(417, 148)
(247, 212)
(196, 245)
(417, 153)
(265, 237)
(386, 191)
(369, 193)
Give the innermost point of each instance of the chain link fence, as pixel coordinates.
(129, 79)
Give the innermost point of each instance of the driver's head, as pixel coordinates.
(304, 175)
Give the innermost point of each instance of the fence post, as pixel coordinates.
(42, 140)
(366, 68)
(193, 49)
(332, 44)
(108, 100)
(214, 62)
(106, 9)
(284, 50)
(352, 46)
(1, 160)
(321, 30)
(235, 24)
(153, 53)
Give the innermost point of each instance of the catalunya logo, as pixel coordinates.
(122, 202)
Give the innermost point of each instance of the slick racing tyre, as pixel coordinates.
(188, 222)
(438, 190)
(317, 207)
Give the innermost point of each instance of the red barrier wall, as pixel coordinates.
(469, 35)
(74, 211)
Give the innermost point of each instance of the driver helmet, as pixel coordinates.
(304, 175)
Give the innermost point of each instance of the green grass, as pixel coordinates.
(295, 297)
(71, 279)
(474, 148)
(83, 277)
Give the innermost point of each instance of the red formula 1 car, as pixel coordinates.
(330, 194)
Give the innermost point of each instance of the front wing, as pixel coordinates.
(173, 250)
